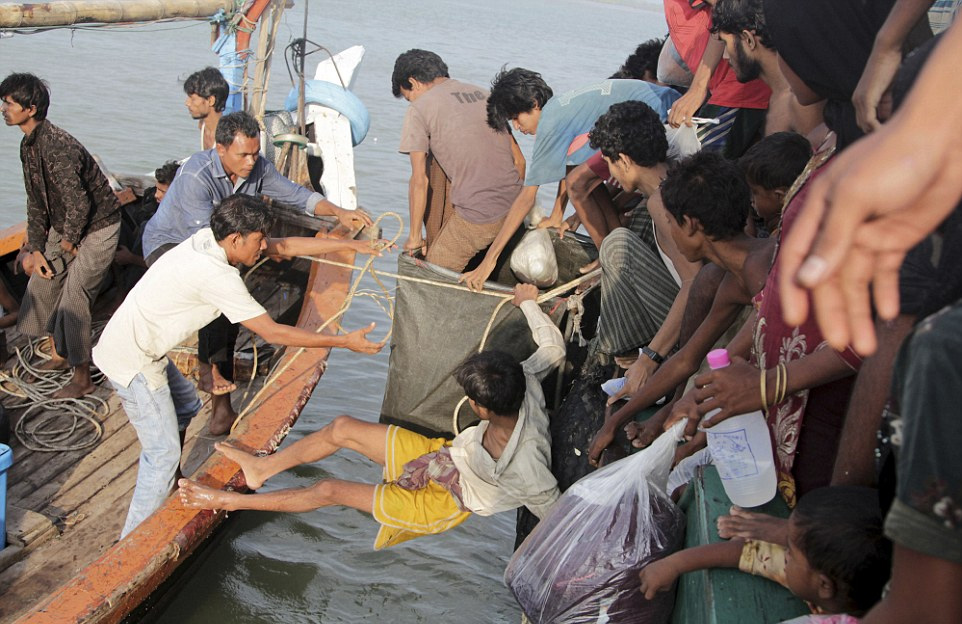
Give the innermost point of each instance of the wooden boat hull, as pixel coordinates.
(125, 575)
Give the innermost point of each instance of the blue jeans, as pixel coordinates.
(158, 415)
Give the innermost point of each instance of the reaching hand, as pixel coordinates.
(554, 220)
(635, 377)
(642, 434)
(69, 248)
(657, 576)
(601, 440)
(357, 341)
(353, 219)
(735, 389)
(373, 247)
(571, 224)
(684, 408)
(475, 279)
(685, 107)
(415, 244)
(525, 292)
(875, 202)
(876, 80)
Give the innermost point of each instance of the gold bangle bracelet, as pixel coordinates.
(764, 393)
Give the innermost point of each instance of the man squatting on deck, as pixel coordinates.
(189, 286)
(430, 485)
(447, 119)
(73, 223)
(207, 178)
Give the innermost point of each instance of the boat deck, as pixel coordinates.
(66, 508)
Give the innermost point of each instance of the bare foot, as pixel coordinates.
(212, 382)
(196, 496)
(753, 525)
(74, 390)
(642, 434)
(222, 414)
(625, 361)
(246, 461)
(591, 266)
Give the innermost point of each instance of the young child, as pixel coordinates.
(771, 167)
(430, 484)
(835, 557)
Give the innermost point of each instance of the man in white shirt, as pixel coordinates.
(430, 485)
(183, 291)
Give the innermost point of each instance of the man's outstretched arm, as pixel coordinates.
(294, 246)
(551, 344)
(276, 333)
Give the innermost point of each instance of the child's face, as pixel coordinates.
(527, 122)
(767, 203)
(801, 579)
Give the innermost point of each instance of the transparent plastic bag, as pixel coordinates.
(534, 260)
(682, 141)
(580, 565)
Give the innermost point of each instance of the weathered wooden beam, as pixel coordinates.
(69, 12)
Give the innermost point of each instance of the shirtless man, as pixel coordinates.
(207, 92)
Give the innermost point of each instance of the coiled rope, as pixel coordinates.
(50, 424)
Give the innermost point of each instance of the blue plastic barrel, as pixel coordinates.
(6, 460)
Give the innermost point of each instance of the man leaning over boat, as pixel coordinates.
(207, 178)
(73, 223)
(430, 485)
(184, 290)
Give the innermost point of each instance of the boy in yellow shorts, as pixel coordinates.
(430, 485)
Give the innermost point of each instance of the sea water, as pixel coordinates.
(120, 92)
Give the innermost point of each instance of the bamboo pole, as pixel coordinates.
(70, 12)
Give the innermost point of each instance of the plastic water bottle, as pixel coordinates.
(741, 448)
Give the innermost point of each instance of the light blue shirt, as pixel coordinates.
(201, 184)
(568, 116)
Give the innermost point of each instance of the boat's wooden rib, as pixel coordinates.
(83, 495)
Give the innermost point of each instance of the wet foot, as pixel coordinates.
(196, 496)
(591, 266)
(222, 415)
(212, 382)
(246, 461)
(74, 390)
(752, 525)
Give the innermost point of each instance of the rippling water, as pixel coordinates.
(120, 92)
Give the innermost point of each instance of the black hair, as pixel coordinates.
(775, 161)
(840, 533)
(27, 90)
(734, 16)
(708, 187)
(644, 60)
(494, 380)
(632, 128)
(166, 172)
(241, 214)
(209, 82)
(422, 65)
(515, 91)
(231, 125)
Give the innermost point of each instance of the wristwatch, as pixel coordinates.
(655, 357)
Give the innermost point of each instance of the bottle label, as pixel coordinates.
(732, 454)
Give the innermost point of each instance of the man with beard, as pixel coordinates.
(207, 92)
(740, 24)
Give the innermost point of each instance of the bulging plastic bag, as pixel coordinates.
(534, 260)
(580, 565)
(682, 141)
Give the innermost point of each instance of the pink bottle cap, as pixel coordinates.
(718, 359)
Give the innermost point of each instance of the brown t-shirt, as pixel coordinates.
(450, 122)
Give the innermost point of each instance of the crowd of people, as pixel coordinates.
(812, 233)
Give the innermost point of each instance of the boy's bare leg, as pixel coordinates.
(326, 492)
(366, 438)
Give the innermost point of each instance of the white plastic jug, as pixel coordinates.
(741, 449)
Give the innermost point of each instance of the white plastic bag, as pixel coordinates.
(534, 260)
(580, 565)
(682, 141)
